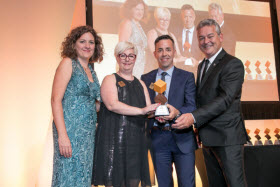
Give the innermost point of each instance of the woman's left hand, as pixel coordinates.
(150, 109)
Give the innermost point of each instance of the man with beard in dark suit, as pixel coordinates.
(215, 12)
(218, 115)
(187, 40)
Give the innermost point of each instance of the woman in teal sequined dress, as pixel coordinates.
(75, 100)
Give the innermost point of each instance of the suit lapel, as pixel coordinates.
(152, 80)
(173, 85)
(198, 73)
(210, 69)
(180, 40)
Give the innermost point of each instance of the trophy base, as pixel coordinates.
(277, 142)
(249, 143)
(249, 77)
(162, 110)
(268, 142)
(259, 77)
(258, 143)
(269, 77)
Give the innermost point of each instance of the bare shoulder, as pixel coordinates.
(142, 83)
(126, 23)
(109, 80)
(152, 33)
(64, 68)
(65, 64)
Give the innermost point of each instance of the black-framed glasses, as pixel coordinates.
(123, 56)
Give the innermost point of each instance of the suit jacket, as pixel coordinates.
(218, 117)
(182, 97)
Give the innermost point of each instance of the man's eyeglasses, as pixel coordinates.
(123, 56)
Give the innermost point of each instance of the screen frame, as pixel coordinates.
(251, 110)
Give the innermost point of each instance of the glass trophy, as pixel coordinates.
(277, 141)
(258, 70)
(160, 87)
(248, 75)
(268, 71)
(258, 142)
(268, 137)
(249, 143)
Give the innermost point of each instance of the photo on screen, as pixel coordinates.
(246, 28)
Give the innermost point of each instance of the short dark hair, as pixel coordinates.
(67, 47)
(164, 37)
(209, 22)
(187, 7)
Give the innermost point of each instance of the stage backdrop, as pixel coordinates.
(31, 34)
(247, 24)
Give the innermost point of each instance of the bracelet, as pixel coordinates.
(178, 115)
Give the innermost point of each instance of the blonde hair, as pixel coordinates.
(215, 6)
(122, 46)
(161, 12)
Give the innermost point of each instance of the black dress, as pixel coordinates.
(122, 156)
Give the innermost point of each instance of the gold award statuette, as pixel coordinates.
(258, 141)
(277, 141)
(160, 87)
(268, 137)
(249, 143)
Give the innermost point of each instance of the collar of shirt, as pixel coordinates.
(169, 72)
(190, 35)
(211, 60)
(222, 23)
(191, 29)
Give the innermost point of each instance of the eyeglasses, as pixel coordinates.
(123, 56)
(164, 20)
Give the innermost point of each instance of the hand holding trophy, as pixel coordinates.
(160, 87)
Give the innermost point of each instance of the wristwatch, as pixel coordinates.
(176, 117)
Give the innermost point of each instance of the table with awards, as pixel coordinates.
(262, 165)
(261, 160)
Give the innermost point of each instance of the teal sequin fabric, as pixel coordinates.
(80, 120)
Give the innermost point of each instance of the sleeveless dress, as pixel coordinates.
(138, 38)
(121, 155)
(80, 120)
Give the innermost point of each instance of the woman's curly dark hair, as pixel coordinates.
(67, 47)
(125, 10)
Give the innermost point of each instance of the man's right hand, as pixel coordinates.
(184, 121)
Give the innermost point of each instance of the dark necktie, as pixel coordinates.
(206, 62)
(163, 74)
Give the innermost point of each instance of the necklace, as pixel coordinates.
(85, 68)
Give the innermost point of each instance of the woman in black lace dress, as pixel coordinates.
(121, 144)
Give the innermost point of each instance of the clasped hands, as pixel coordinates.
(183, 122)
